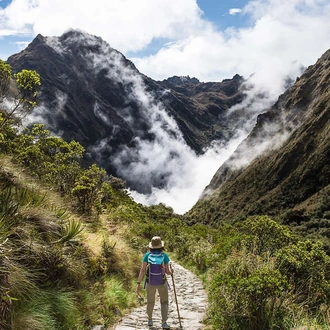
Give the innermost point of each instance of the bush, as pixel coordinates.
(248, 293)
(265, 235)
(307, 268)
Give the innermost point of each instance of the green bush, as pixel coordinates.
(115, 294)
(247, 293)
(263, 234)
(307, 268)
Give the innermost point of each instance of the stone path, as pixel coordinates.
(192, 303)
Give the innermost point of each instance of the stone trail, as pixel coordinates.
(192, 301)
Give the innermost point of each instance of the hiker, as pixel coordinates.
(155, 265)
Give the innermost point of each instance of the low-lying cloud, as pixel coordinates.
(161, 165)
(189, 179)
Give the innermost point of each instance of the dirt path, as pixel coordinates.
(192, 302)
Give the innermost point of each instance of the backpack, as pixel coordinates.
(156, 269)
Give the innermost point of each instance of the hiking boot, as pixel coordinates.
(165, 326)
(150, 323)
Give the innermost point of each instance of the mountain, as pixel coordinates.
(282, 168)
(92, 94)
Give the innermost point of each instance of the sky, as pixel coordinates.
(266, 41)
(208, 39)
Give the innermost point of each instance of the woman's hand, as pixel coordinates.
(171, 268)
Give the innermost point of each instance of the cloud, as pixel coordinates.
(234, 11)
(279, 33)
(189, 180)
(43, 115)
(128, 25)
(21, 44)
(276, 40)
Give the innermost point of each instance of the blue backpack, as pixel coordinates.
(156, 269)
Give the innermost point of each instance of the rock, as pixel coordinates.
(98, 327)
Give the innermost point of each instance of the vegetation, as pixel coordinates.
(22, 96)
(71, 240)
(291, 181)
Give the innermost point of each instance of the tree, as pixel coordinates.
(248, 292)
(24, 97)
(5, 74)
(52, 159)
(265, 235)
(307, 267)
(88, 188)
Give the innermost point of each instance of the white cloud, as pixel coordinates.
(277, 39)
(280, 33)
(234, 11)
(43, 115)
(128, 25)
(21, 44)
(189, 180)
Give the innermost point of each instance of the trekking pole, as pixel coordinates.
(176, 299)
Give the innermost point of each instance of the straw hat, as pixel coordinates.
(156, 243)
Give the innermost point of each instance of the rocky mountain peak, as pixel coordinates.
(180, 81)
(93, 94)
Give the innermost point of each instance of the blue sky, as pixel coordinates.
(217, 11)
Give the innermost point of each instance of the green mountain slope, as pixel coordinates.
(289, 173)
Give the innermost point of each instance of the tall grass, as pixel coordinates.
(29, 196)
(116, 296)
(48, 310)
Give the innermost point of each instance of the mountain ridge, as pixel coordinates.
(289, 181)
(92, 94)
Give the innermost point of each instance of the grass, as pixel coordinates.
(116, 296)
(51, 310)
(70, 230)
(22, 178)
(69, 271)
(50, 255)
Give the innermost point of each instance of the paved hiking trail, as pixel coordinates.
(192, 301)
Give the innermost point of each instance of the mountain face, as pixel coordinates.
(282, 168)
(92, 94)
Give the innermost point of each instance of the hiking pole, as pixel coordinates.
(176, 298)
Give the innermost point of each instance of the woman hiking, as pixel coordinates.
(155, 265)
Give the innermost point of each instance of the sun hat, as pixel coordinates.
(156, 243)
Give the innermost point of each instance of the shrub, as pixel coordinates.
(115, 294)
(248, 293)
(307, 268)
(51, 310)
(265, 235)
(87, 188)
